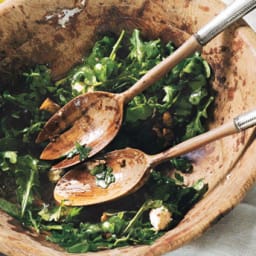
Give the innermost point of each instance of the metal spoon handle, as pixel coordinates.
(231, 14)
(239, 123)
(246, 120)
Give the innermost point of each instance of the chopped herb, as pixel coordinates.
(58, 213)
(103, 174)
(9, 207)
(80, 150)
(182, 164)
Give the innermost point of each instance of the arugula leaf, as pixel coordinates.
(104, 69)
(144, 51)
(103, 174)
(136, 50)
(102, 48)
(27, 180)
(182, 164)
(196, 127)
(10, 208)
(83, 79)
(97, 68)
(80, 150)
(138, 109)
(149, 204)
(196, 96)
(59, 213)
(25, 171)
(7, 158)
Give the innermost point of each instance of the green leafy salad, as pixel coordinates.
(173, 109)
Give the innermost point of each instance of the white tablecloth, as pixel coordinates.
(234, 234)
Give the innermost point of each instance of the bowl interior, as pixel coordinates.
(38, 32)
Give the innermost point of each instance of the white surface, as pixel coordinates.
(234, 234)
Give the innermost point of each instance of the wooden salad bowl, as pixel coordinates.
(35, 32)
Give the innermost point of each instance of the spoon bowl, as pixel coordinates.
(81, 121)
(131, 167)
(78, 187)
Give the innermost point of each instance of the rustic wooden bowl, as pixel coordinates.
(36, 32)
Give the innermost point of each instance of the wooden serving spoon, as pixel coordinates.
(93, 119)
(131, 167)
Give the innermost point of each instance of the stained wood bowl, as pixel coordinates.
(33, 32)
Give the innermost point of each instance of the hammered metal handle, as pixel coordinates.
(245, 121)
(232, 13)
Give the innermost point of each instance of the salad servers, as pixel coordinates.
(93, 119)
(131, 167)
